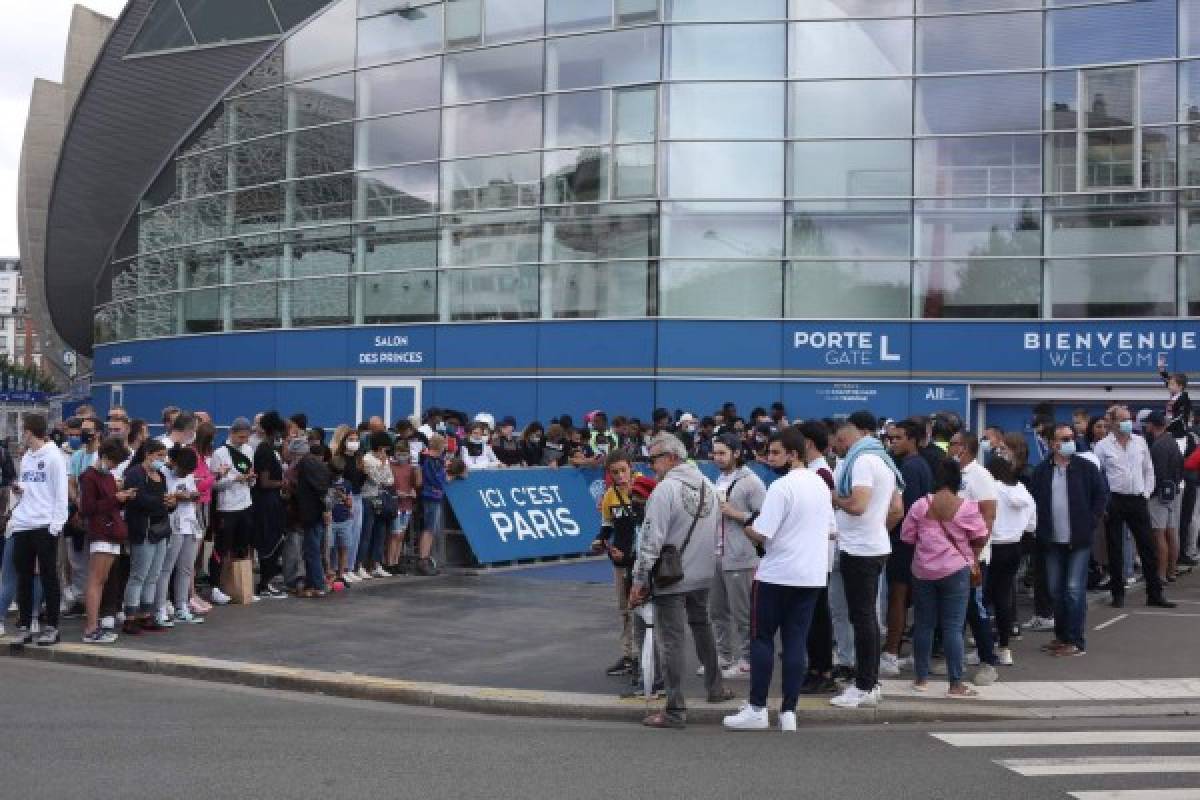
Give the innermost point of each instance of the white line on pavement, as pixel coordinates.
(1112, 621)
(1139, 794)
(1101, 765)
(1163, 614)
(1051, 738)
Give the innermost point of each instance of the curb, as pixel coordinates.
(547, 705)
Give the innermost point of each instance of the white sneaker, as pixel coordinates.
(700, 670)
(363, 574)
(108, 623)
(748, 719)
(787, 721)
(986, 675)
(973, 658)
(2, 629)
(163, 620)
(35, 626)
(170, 609)
(1004, 657)
(853, 697)
(734, 673)
(350, 577)
(380, 572)
(219, 598)
(889, 665)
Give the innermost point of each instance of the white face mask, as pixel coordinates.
(352, 446)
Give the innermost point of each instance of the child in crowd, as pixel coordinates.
(407, 484)
(433, 494)
(173, 593)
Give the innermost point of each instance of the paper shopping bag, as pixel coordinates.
(237, 580)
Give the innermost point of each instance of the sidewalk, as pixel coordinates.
(535, 641)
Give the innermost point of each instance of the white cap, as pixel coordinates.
(686, 417)
(486, 419)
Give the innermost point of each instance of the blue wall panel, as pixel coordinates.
(232, 399)
(252, 353)
(619, 348)
(722, 349)
(147, 400)
(518, 398)
(808, 400)
(704, 397)
(626, 398)
(487, 349)
(319, 352)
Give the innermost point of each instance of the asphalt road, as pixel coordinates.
(81, 732)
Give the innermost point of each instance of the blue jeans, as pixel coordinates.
(981, 623)
(788, 610)
(356, 526)
(945, 599)
(313, 568)
(8, 582)
(1066, 576)
(374, 534)
(843, 631)
(145, 563)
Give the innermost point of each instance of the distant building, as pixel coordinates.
(19, 339)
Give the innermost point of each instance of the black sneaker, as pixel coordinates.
(622, 666)
(426, 569)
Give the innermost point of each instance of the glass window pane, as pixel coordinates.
(163, 29)
(201, 313)
(320, 102)
(323, 46)
(269, 72)
(636, 172)
(497, 238)
(874, 168)
(836, 9)
(980, 288)
(400, 87)
(292, 12)
(979, 104)
(951, 6)
(722, 230)
(851, 49)
(506, 20)
(576, 176)
(254, 115)
(1189, 21)
(719, 10)
(398, 36)
(492, 293)
(1112, 287)
(564, 16)
(254, 211)
(254, 300)
(1062, 162)
(1062, 100)
(963, 43)
(225, 20)
(1189, 153)
(404, 297)
(600, 233)
(209, 172)
(1159, 166)
(498, 127)
(1099, 225)
(258, 162)
(496, 182)
(1191, 277)
(860, 290)
(320, 200)
(320, 301)
(971, 229)
(494, 72)
(700, 52)
(318, 151)
(849, 230)
(851, 108)
(1110, 160)
(637, 114)
(397, 140)
(979, 165)
(255, 306)
(578, 118)
(1111, 32)
(1109, 97)
(464, 23)
(597, 290)
(399, 245)
(603, 59)
(747, 111)
(723, 289)
(636, 12)
(325, 251)
(725, 170)
(399, 191)
(1158, 92)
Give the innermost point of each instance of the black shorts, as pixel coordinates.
(899, 565)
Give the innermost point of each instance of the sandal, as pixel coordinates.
(725, 696)
(662, 721)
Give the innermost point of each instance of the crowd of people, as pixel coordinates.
(868, 524)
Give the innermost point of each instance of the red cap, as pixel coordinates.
(643, 486)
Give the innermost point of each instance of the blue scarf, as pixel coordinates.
(868, 445)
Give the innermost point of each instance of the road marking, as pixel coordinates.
(1052, 738)
(1101, 765)
(1164, 614)
(1112, 621)
(1139, 794)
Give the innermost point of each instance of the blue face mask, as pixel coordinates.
(1125, 426)
(158, 463)
(1066, 449)
(74, 442)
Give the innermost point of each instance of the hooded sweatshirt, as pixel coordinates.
(1016, 513)
(43, 482)
(675, 502)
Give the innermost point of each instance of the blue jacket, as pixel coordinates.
(1087, 498)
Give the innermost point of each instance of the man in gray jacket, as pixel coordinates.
(683, 511)
(741, 493)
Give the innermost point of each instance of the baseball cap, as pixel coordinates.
(643, 486)
(241, 424)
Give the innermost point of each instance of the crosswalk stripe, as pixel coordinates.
(1101, 765)
(1051, 738)
(1139, 794)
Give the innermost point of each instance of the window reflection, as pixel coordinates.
(1111, 287)
(498, 127)
(400, 87)
(397, 140)
(494, 182)
(489, 294)
(725, 170)
(400, 35)
(603, 59)
(980, 288)
(721, 289)
(493, 72)
(397, 298)
(856, 290)
(705, 52)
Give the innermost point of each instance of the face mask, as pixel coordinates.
(1066, 449)
(985, 446)
(102, 468)
(74, 442)
(1125, 426)
(190, 439)
(441, 427)
(352, 447)
(86, 437)
(158, 463)
(534, 439)
(476, 440)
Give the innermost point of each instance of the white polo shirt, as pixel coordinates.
(796, 518)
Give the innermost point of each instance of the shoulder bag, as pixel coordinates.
(976, 572)
(668, 570)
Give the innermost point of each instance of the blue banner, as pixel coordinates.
(514, 514)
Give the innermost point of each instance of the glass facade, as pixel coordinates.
(397, 162)
(181, 24)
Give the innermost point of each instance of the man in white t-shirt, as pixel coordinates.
(978, 485)
(868, 504)
(793, 528)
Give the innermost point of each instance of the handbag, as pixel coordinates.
(668, 570)
(158, 530)
(976, 571)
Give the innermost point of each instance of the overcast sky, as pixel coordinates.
(33, 36)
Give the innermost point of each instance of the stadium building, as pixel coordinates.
(534, 207)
